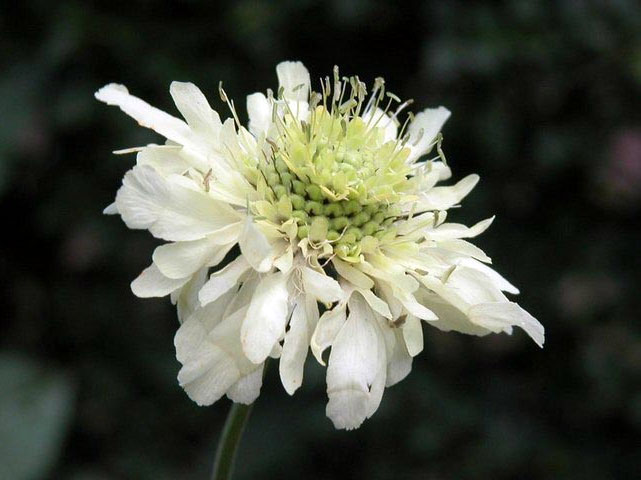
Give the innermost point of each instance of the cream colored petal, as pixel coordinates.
(152, 283)
(169, 210)
(266, 317)
(147, 116)
(321, 286)
(496, 278)
(295, 346)
(223, 280)
(195, 108)
(293, 77)
(442, 198)
(111, 209)
(413, 335)
(424, 129)
(448, 231)
(376, 303)
(259, 111)
(378, 118)
(255, 247)
(165, 160)
(329, 324)
(353, 275)
(500, 316)
(182, 259)
(247, 389)
(399, 364)
(354, 368)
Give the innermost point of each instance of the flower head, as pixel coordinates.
(342, 235)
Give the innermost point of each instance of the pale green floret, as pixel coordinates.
(337, 175)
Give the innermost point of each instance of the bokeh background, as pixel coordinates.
(546, 101)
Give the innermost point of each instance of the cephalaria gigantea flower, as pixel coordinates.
(334, 225)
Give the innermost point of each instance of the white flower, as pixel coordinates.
(342, 238)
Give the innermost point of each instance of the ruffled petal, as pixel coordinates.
(424, 129)
(500, 316)
(259, 111)
(195, 108)
(355, 369)
(152, 283)
(293, 77)
(223, 280)
(169, 210)
(266, 317)
(296, 344)
(321, 286)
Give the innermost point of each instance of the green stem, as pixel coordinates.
(229, 440)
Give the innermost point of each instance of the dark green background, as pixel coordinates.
(546, 108)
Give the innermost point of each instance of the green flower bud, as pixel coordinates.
(333, 235)
(303, 231)
(360, 219)
(355, 232)
(369, 228)
(300, 216)
(299, 187)
(297, 201)
(314, 192)
(279, 191)
(314, 207)
(281, 166)
(339, 223)
(333, 210)
(318, 229)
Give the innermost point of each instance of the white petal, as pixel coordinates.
(355, 368)
(223, 280)
(442, 198)
(377, 304)
(186, 298)
(413, 306)
(259, 111)
(450, 317)
(424, 129)
(377, 117)
(320, 286)
(400, 363)
(497, 279)
(152, 283)
(255, 247)
(247, 388)
(165, 160)
(208, 371)
(353, 275)
(462, 247)
(169, 210)
(413, 335)
(181, 259)
(294, 78)
(285, 262)
(195, 108)
(266, 317)
(498, 316)
(329, 324)
(292, 359)
(473, 286)
(456, 230)
(111, 209)
(147, 116)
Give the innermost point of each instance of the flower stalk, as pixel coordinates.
(229, 440)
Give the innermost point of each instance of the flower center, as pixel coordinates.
(337, 174)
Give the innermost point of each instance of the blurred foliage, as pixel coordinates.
(546, 101)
